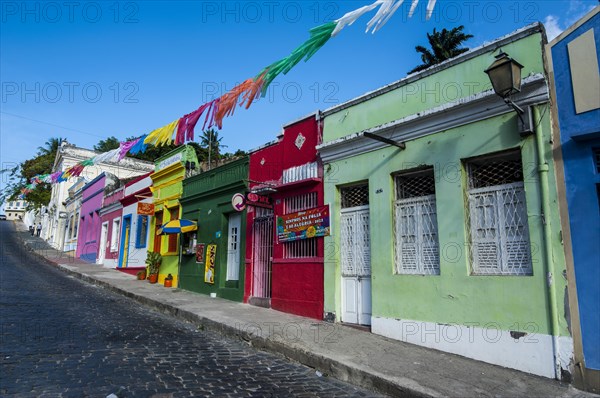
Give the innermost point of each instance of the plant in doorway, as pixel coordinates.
(169, 280)
(153, 260)
(141, 275)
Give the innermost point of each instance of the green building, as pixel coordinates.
(213, 258)
(445, 227)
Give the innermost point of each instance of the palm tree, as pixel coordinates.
(50, 147)
(212, 142)
(444, 45)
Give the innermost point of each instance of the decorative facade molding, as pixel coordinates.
(454, 114)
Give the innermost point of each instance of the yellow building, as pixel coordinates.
(167, 187)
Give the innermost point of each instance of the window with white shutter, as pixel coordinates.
(415, 219)
(497, 212)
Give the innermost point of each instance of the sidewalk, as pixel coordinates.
(370, 361)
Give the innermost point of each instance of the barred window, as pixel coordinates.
(497, 211)
(416, 231)
(355, 196)
(304, 247)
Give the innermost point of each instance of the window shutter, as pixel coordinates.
(417, 250)
(347, 243)
(517, 256)
(406, 232)
(430, 254)
(364, 246)
(484, 231)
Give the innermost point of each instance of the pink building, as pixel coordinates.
(110, 230)
(89, 219)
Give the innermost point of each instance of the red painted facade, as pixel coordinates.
(288, 171)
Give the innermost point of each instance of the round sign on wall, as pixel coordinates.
(238, 201)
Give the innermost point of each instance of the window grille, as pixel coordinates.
(597, 159)
(300, 202)
(263, 252)
(497, 212)
(489, 172)
(355, 196)
(304, 247)
(416, 232)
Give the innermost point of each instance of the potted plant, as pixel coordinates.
(153, 260)
(169, 280)
(141, 275)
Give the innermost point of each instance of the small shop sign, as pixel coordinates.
(145, 209)
(306, 224)
(238, 201)
(253, 199)
(169, 161)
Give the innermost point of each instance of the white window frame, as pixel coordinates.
(421, 248)
(115, 235)
(497, 223)
(412, 236)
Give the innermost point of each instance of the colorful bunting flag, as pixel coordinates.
(243, 94)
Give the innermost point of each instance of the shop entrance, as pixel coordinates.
(262, 257)
(355, 255)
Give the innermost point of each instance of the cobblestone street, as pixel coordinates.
(62, 337)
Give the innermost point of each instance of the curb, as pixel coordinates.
(328, 366)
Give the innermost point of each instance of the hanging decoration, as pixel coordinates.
(181, 130)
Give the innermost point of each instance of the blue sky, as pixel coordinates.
(88, 70)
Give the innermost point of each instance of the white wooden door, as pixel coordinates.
(233, 247)
(102, 250)
(355, 256)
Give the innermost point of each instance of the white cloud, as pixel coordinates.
(553, 28)
(577, 9)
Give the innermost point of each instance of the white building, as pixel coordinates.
(15, 209)
(55, 215)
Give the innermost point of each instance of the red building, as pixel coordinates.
(284, 268)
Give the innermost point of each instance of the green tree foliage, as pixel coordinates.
(444, 44)
(107, 145)
(20, 176)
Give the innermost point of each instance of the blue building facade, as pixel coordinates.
(577, 88)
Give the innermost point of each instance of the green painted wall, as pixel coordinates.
(454, 296)
(207, 199)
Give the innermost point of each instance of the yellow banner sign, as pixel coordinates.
(209, 268)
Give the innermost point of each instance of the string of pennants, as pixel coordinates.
(181, 130)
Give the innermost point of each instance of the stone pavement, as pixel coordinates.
(364, 359)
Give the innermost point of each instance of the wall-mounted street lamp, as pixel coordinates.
(505, 75)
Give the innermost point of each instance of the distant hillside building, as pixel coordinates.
(14, 210)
